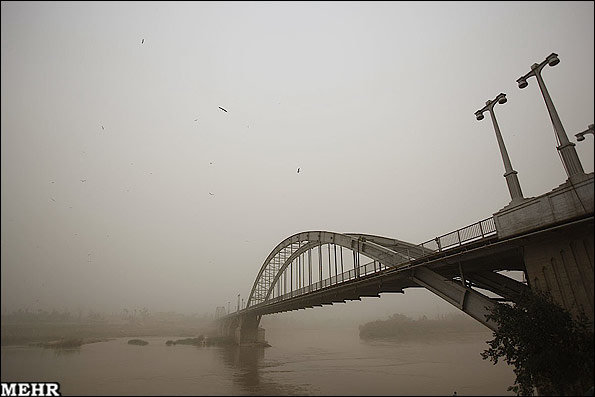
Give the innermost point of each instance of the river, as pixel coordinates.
(299, 362)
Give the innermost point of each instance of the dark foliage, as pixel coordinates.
(401, 327)
(138, 342)
(549, 349)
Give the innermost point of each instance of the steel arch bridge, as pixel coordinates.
(311, 269)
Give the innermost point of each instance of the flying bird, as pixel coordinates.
(83, 180)
(53, 199)
(222, 109)
(142, 42)
(298, 171)
(211, 194)
(102, 128)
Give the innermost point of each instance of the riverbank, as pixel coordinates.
(49, 333)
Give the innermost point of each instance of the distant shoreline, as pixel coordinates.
(47, 333)
(400, 327)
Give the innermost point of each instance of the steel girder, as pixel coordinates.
(466, 299)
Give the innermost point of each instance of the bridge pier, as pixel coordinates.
(561, 260)
(563, 265)
(243, 329)
(248, 332)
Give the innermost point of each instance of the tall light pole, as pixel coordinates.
(568, 154)
(514, 187)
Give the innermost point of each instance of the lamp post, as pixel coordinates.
(512, 180)
(568, 154)
(581, 135)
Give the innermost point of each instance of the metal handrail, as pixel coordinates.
(474, 232)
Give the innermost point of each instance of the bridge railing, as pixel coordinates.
(465, 235)
(474, 232)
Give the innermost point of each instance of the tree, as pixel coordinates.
(549, 349)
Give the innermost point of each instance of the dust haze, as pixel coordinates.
(149, 151)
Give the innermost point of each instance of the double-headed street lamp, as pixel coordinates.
(570, 159)
(581, 135)
(511, 175)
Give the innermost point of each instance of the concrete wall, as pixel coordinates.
(567, 201)
(563, 265)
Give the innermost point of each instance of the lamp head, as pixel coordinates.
(580, 137)
(501, 98)
(479, 115)
(553, 59)
(522, 83)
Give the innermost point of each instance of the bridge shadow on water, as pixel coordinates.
(249, 365)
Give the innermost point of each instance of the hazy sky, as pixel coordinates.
(124, 185)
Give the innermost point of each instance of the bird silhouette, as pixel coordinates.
(222, 109)
(211, 194)
(142, 42)
(83, 180)
(298, 171)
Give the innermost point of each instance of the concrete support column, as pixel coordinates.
(563, 265)
(248, 331)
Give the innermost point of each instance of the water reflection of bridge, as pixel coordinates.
(247, 362)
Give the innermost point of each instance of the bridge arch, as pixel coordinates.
(384, 250)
